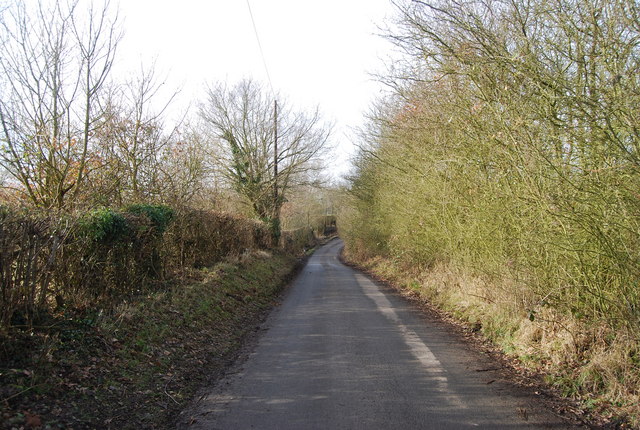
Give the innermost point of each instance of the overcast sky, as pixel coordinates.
(317, 52)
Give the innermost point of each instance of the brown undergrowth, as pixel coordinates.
(138, 365)
(598, 369)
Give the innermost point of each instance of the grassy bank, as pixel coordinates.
(138, 365)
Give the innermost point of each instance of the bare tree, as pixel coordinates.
(184, 171)
(132, 137)
(53, 71)
(97, 37)
(250, 125)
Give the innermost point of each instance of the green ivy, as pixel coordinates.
(159, 215)
(104, 225)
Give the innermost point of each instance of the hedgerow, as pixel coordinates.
(52, 261)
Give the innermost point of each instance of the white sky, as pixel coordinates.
(317, 52)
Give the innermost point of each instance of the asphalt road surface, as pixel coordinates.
(342, 352)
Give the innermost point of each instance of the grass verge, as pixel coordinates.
(139, 365)
(597, 369)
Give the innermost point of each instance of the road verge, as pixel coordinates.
(140, 365)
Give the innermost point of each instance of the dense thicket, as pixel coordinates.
(508, 150)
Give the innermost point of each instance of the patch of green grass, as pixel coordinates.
(152, 354)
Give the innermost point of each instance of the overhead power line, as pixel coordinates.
(264, 61)
(276, 205)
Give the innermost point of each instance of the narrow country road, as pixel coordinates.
(344, 353)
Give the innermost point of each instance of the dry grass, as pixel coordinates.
(589, 363)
